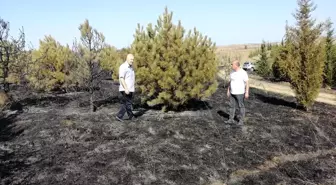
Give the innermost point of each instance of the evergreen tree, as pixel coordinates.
(20, 68)
(111, 60)
(263, 67)
(269, 46)
(281, 57)
(276, 72)
(123, 53)
(304, 60)
(88, 52)
(10, 49)
(330, 55)
(334, 67)
(171, 67)
(52, 63)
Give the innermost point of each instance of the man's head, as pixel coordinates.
(130, 59)
(235, 65)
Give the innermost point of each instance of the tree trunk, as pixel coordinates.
(93, 108)
(5, 73)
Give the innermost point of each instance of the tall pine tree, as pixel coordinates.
(88, 52)
(304, 60)
(330, 61)
(173, 67)
(263, 66)
(10, 50)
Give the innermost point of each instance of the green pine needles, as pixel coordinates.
(173, 67)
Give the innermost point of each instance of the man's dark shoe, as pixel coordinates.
(119, 119)
(133, 118)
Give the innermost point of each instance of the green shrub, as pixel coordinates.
(173, 67)
(304, 56)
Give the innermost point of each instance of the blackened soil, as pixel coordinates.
(57, 140)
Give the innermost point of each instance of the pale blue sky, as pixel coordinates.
(225, 21)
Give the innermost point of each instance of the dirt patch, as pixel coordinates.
(325, 96)
(56, 140)
(282, 88)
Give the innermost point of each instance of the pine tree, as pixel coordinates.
(269, 46)
(334, 67)
(110, 60)
(330, 55)
(51, 66)
(20, 68)
(281, 57)
(88, 53)
(123, 53)
(263, 65)
(171, 67)
(10, 49)
(203, 66)
(276, 72)
(304, 60)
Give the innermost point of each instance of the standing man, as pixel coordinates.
(238, 91)
(126, 88)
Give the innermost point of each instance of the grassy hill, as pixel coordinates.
(240, 51)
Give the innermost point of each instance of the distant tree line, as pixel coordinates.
(267, 46)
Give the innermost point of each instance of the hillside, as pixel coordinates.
(239, 51)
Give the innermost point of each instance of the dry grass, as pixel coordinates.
(238, 50)
(325, 96)
(277, 161)
(240, 53)
(4, 100)
(217, 183)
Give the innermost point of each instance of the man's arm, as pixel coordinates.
(122, 73)
(228, 91)
(247, 87)
(123, 83)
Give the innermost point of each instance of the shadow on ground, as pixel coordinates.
(8, 158)
(223, 114)
(192, 105)
(271, 99)
(7, 128)
(46, 101)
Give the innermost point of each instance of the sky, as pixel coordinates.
(224, 21)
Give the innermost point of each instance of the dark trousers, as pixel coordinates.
(126, 105)
(237, 100)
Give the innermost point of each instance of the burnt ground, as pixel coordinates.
(56, 140)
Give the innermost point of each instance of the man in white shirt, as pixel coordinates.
(238, 91)
(126, 88)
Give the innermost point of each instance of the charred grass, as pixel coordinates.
(56, 140)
